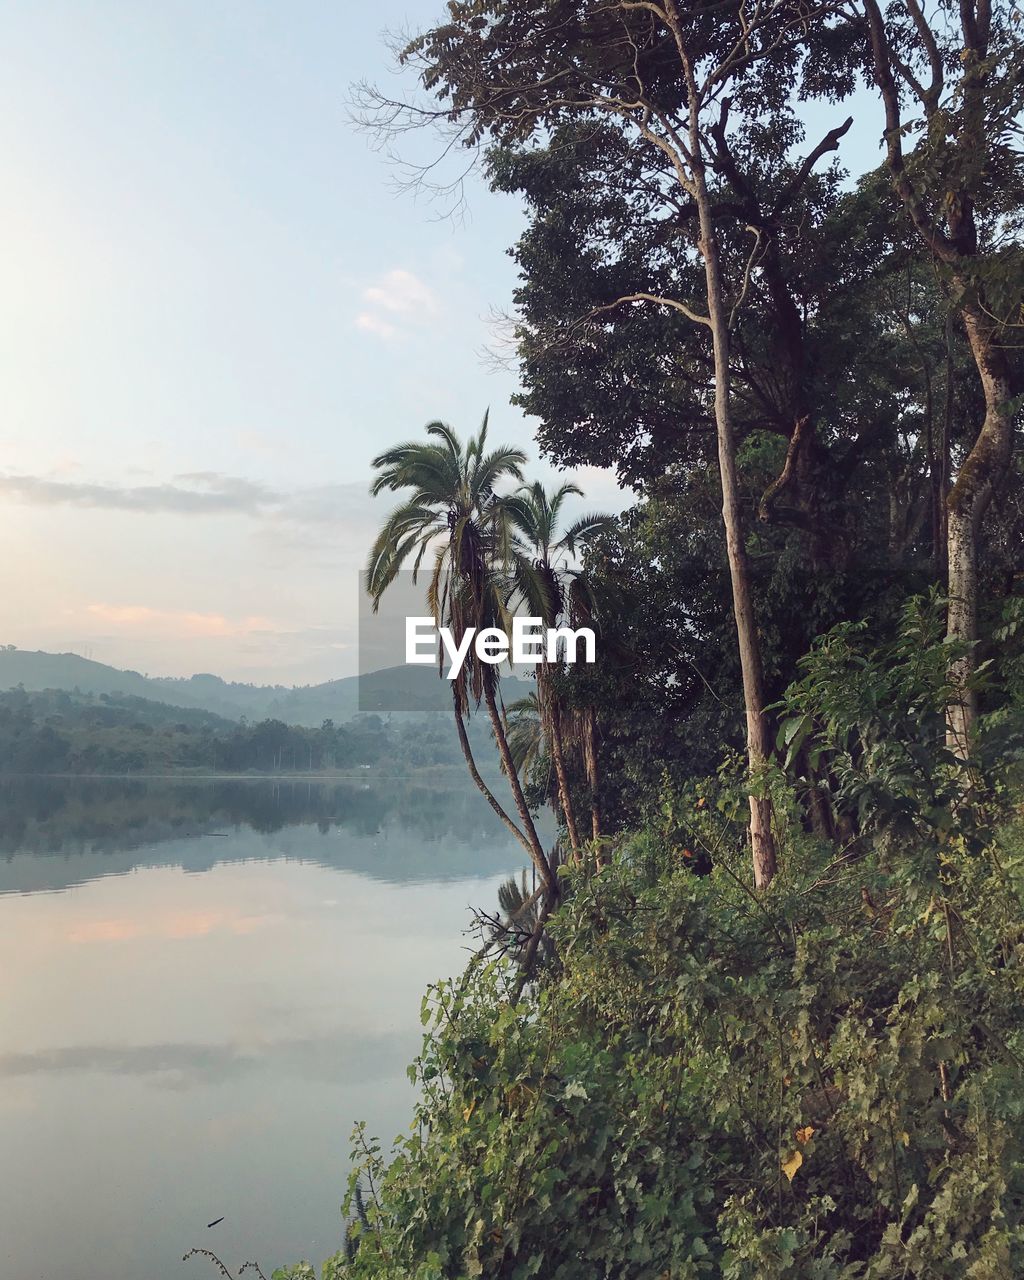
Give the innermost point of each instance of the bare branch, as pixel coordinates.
(657, 299)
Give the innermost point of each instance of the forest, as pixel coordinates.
(758, 1011)
(60, 732)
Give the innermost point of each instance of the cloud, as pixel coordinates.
(397, 300)
(200, 493)
(204, 492)
(175, 622)
(403, 292)
(375, 324)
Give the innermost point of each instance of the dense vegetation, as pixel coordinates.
(56, 731)
(762, 1015)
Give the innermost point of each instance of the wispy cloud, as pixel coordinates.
(198, 493)
(201, 492)
(397, 300)
(373, 323)
(176, 622)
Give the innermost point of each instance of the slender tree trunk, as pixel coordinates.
(590, 764)
(551, 721)
(758, 739)
(940, 480)
(532, 840)
(563, 785)
(531, 848)
(982, 470)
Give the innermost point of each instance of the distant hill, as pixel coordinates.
(415, 689)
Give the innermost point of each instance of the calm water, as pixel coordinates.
(202, 986)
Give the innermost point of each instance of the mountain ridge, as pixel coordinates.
(401, 688)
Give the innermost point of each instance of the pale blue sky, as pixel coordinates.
(214, 310)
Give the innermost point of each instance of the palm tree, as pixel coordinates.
(454, 513)
(565, 591)
(525, 737)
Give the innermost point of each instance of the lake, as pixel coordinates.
(203, 985)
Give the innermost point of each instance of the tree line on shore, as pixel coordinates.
(57, 731)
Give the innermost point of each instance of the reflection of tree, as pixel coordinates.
(413, 829)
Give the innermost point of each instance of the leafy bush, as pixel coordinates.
(822, 1082)
(825, 1083)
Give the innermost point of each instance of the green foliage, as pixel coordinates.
(716, 1085)
(873, 720)
(823, 1082)
(58, 732)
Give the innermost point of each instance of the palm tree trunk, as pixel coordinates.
(551, 723)
(531, 839)
(488, 794)
(555, 735)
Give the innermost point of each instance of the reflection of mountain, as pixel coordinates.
(55, 833)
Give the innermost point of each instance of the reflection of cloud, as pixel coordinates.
(192, 924)
(342, 1059)
(105, 931)
(399, 296)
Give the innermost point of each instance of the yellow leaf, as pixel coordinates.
(790, 1165)
(468, 1111)
(805, 1134)
(905, 1138)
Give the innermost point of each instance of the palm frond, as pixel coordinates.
(586, 528)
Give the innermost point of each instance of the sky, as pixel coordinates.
(215, 309)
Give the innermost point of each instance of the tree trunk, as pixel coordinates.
(590, 764)
(563, 785)
(982, 470)
(531, 848)
(758, 740)
(958, 247)
(940, 477)
(532, 840)
(551, 723)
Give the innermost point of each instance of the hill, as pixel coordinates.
(57, 732)
(395, 689)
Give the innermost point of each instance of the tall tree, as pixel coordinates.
(455, 512)
(513, 71)
(565, 591)
(961, 186)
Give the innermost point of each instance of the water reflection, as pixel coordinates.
(218, 981)
(394, 830)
